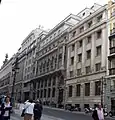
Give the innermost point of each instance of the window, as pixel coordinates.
(79, 57)
(78, 90)
(49, 83)
(45, 83)
(73, 47)
(88, 54)
(80, 43)
(73, 34)
(41, 95)
(49, 92)
(38, 93)
(98, 51)
(53, 92)
(97, 87)
(99, 18)
(88, 69)
(71, 73)
(70, 90)
(90, 24)
(44, 93)
(54, 80)
(89, 39)
(72, 60)
(97, 67)
(99, 33)
(87, 89)
(78, 72)
(81, 29)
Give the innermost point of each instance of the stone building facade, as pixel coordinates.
(6, 77)
(48, 82)
(87, 58)
(68, 64)
(110, 89)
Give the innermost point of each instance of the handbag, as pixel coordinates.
(23, 111)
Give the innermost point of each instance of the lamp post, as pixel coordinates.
(14, 71)
(103, 84)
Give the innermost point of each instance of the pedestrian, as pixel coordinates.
(6, 108)
(98, 113)
(29, 106)
(38, 110)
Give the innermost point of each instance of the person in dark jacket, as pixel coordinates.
(6, 108)
(38, 110)
(98, 113)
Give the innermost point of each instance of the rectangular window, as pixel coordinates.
(89, 39)
(87, 89)
(79, 57)
(53, 92)
(99, 18)
(81, 29)
(88, 54)
(71, 73)
(98, 67)
(70, 90)
(73, 34)
(73, 47)
(78, 72)
(44, 93)
(98, 51)
(80, 43)
(99, 34)
(90, 24)
(72, 60)
(49, 92)
(88, 69)
(78, 91)
(97, 87)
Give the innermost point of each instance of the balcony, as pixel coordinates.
(112, 50)
(112, 71)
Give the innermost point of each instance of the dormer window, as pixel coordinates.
(82, 29)
(90, 24)
(73, 34)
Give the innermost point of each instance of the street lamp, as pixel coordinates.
(14, 71)
(103, 84)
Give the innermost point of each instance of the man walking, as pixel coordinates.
(38, 110)
(98, 113)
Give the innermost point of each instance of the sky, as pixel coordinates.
(19, 17)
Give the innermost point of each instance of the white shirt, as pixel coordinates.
(7, 111)
(100, 114)
(29, 108)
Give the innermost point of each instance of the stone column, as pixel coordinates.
(75, 59)
(68, 61)
(82, 95)
(83, 56)
(103, 48)
(63, 56)
(92, 88)
(93, 52)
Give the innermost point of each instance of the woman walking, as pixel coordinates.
(6, 109)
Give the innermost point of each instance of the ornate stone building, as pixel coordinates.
(48, 83)
(87, 58)
(6, 77)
